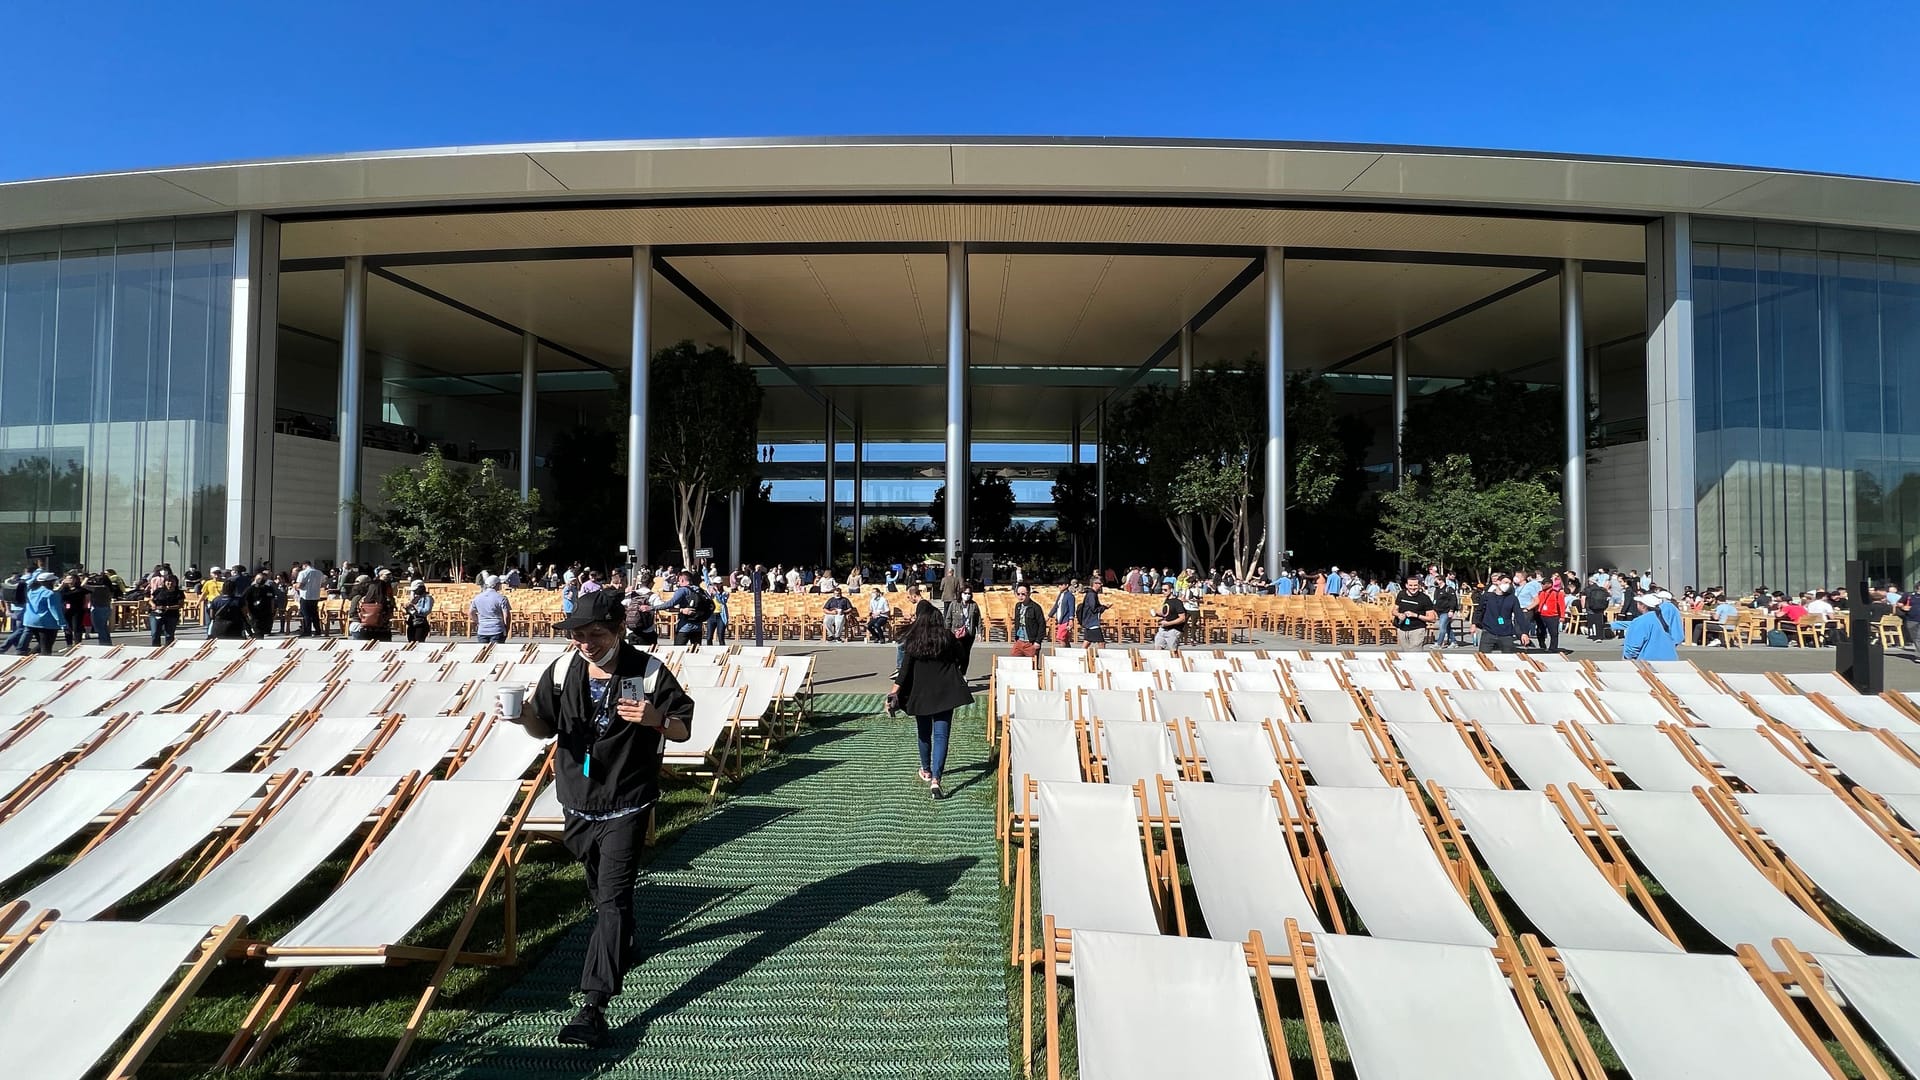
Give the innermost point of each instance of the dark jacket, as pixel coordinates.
(964, 615)
(1033, 618)
(1498, 614)
(227, 615)
(933, 686)
(623, 772)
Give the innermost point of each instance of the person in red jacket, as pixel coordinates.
(1547, 613)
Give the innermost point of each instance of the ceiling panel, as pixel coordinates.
(1078, 310)
(833, 309)
(1522, 331)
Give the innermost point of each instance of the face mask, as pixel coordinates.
(1502, 587)
(603, 661)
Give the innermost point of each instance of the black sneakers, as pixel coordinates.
(587, 1028)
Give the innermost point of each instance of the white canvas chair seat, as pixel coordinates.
(49, 741)
(1129, 1028)
(1636, 709)
(165, 831)
(325, 743)
(1719, 710)
(1039, 705)
(1404, 707)
(1540, 756)
(692, 675)
(1621, 683)
(1799, 713)
(1682, 847)
(1072, 682)
(1264, 681)
(1846, 859)
(506, 752)
(1506, 662)
(1498, 680)
(133, 744)
(1006, 680)
(11, 780)
(155, 695)
(1336, 756)
(1331, 707)
(1429, 679)
(78, 987)
(1647, 756)
(1757, 761)
(1434, 1011)
(417, 745)
(1685, 1016)
(1388, 869)
(547, 815)
(424, 856)
(1821, 682)
(26, 697)
(1751, 682)
(1120, 706)
(1315, 680)
(1044, 750)
(96, 667)
(1562, 682)
(230, 740)
(36, 668)
(83, 699)
(471, 672)
(1906, 804)
(226, 697)
(1243, 873)
(1874, 712)
(1687, 684)
(1133, 753)
(1239, 754)
(760, 686)
(1439, 753)
(1093, 872)
(1882, 989)
(427, 699)
(278, 856)
(203, 670)
(1179, 706)
(1526, 844)
(1554, 706)
(254, 672)
(1484, 706)
(1373, 680)
(55, 814)
(1257, 705)
(716, 713)
(357, 699)
(1459, 661)
(1191, 682)
(464, 652)
(1862, 758)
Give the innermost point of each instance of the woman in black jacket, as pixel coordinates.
(930, 685)
(227, 615)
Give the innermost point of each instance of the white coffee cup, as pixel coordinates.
(509, 699)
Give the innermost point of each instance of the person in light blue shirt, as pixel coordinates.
(1284, 586)
(1670, 611)
(1648, 636)
(491, 613)
(1335, 583)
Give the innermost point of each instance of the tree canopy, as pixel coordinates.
(1445, 517)
(1076, 505)
(437, 515)
(989, 506)
(703, 431)
(1508, 430)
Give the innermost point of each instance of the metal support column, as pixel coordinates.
(529, 396)
(959, 474)
(737, 500)
(353, 332)
(1276, 458)
(1100, 490)
(826, 560)
(1573, 470)
(1399, 408)
(1186, 354)
(1673, 545)
(640, 359)
(251, 369)
(1076, 440)
(859, 481)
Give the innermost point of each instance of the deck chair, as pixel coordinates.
(1869, 712)
(1499, 680)
(1429, 679)
(1130, 754)
(1623, 682)
(1649, 757)
(1554, 874)
(1820, 682)
(1336, 756)
(1562, 682)
(1128, 1028)
(1755, 760)
(136, 742)
(1679, 1015)
(1389, 866)
(1374, 680)
(170, 827)
(1683, 847)
(1406, 1009)
(1438, 753)
(1643, 710)
(1258, 706)
(1798, 713)
(1037, 751)
(1194, 682)
(1853, 864)
(1263, 681)
(1120, 706)
(427, 699)
(1133, 681)
(1403, 707)
(63, 808)
(1039, 705)
(1180, 706)
(225, 697)
(418, 745)
(715, 735)
(28, 696)
(1483, 707)
(288, 697)
(1555, 706)
(364, 921)
(1863, 758)
(69, 993)
(272, 860)
(1246, 873)
(232, 739)
(52, 739)
(321, 746)
(505, 752)
(356, 699)
(1314, 679)
(1719, 710)
(1329, 707)
(1881, 989)
(1540, 756)
(157, 695)
(83, 699)
(1685, 685)
(1072, 682)
(1755, 682)
(1232, 753)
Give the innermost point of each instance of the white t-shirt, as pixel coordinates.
(1819, 607)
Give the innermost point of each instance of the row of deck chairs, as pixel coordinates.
(1462, 872)
(243, 807)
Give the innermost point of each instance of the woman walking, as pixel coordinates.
(374, 613)
(930, 685)
(163, 619)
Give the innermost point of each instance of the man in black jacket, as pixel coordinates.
(1498, 617)
(1029, 623)
(613, 709)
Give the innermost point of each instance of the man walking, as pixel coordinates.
(1029, 623)
(1413, 613)
(1063, 614)
(1090, 610)
(1498, 617)
(1173, 619)
(491, 613)
(611, 709)
(690, 607)
(963, 618)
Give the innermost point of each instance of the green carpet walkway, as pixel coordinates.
(829, 921)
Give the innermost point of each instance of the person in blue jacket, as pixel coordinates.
(1648, 635)
(45, 615)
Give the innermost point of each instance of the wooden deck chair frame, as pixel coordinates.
(1476, 741)
(1804, 979)
(1309, 864)
(1613, 867)
(1058, 946)
(1017, 829)
(1545, 974)
(269, 1013)
(212, 950)
(1888, 824)
(1696, 756)
(1388, 763)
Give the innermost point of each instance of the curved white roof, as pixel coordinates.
(998, 167)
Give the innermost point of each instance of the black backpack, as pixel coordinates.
(702, 605)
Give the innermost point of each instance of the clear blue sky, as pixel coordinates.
(112, 85)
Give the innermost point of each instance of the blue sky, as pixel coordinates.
(114, 85)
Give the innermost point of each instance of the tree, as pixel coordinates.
(703, 431)
(989, 506)
(1076, 505)
(1507, 430)
(436, 515)
(1445, 517)
(889, 540)
(588, 507)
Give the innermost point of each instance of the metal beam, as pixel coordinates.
(1458, 313)
(490, 319)
(1221, 299)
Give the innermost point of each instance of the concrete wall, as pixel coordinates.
(1617, 507)
(306, 500)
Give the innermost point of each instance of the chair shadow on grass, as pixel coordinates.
(782, 924)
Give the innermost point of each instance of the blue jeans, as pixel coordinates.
(491, 639)
(103, 623)
(17, 638)
(933, 740)
(161, 626)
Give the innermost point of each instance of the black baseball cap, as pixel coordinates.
(594, 607)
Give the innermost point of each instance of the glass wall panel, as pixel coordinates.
(1807, 455)
(113, 380)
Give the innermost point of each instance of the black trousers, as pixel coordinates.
(610, 851)
(309, 618)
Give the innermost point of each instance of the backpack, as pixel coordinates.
(371, 616)
(638, 616)
(702, 606)
(1090, 609)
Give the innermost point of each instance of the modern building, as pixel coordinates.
(180, 347)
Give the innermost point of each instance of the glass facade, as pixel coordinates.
(1807, 398)
(113, 392)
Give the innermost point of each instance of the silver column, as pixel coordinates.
(529, 395)
(1186, 354)
(737, 501)
(1573, 470)
(642, 355)
(827, 471)
(251, 368)
(1399, 408)
(1076, 439)
(1276, 508)
(959, 475)
(859, 464)
(353, 333)
(1673, 543)
(1100, 489)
